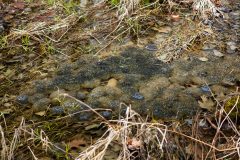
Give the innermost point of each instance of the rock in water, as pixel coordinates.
(22, 99)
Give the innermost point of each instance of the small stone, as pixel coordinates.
(56, 110)
(151, 47)
(137, 96)
(205, 88)
(91, 84)
(22, 99)
(106, 114)
(41, 105)
(80, 95)
(217, 53)
(112, 82)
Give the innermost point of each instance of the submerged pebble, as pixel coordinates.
(106, 114)
(137, 96)
(56, 110)
(41, 105)
(205, 88)
(83, 116)
(80, 95)
(151, 47)
(22, 99)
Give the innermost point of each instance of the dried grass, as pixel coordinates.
(40, 30)
(121, 131)
(205, 7)
(134, 135)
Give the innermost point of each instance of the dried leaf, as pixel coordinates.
(203, 59)
(134, 143)
(163, 57)
(208, 30)
(164, 29)
(217, 53)
(6, 111)
(42, 113)
(206, 103)
(92, 126)
(76, 143)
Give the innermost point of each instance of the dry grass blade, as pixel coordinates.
(4, 151)
(38, 30)
(121, 131)
(205, 6)
(102, 144)
(7, 152)
(35, 158)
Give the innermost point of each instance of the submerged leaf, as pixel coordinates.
(206, 103)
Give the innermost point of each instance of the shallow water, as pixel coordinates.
(138, 76)
(153, 88)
